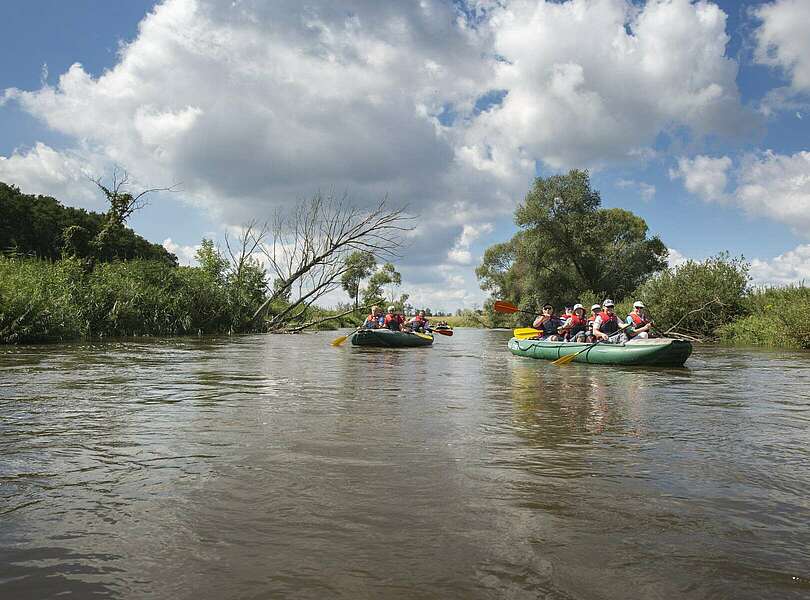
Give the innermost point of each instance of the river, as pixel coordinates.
(279, 466)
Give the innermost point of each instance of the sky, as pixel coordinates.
(695, 115)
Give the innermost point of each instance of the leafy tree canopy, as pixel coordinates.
(568, 245)
(40, 226)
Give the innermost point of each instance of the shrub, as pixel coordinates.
(698, 297)
(778, 318)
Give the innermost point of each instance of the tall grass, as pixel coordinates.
(50, 301)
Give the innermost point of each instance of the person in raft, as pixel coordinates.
(595, 310)
(375, 320)
(419, 323)
(575, 327)
(606, 324)
(566, 314)
(393, 320)
(640, 323)
(548, 324)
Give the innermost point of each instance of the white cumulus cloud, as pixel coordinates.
(43, 170)
(782, 39)
(704, 176)
(791, 267)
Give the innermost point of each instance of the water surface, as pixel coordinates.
(278, 466)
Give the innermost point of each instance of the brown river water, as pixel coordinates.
(280, 467)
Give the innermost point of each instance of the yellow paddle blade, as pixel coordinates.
(424, 336)
(340, 340)
(565, 359)
(524, 333)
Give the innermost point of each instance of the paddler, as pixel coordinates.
(375, 320)
(393, 320)
(575, 326)
(419, 323)
(596, 309)
(548, 324)
(606, 324)
(569, 310)
(639, 321)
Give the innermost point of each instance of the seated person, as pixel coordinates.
(595, 310)
(639, 321)
(548, 324)
(575, 327)
(606, 326)
(419, 323)
(375, 320)
(393, 320)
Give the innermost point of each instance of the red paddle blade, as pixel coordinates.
(447, 332)
(505, 307)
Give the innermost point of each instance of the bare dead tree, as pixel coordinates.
(305, 251)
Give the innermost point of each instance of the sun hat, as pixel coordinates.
(596, 307)
(576, 306)
(638, 304)
(608, 302)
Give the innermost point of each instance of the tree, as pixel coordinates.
(306, 252)
(567, 245)
(40, 226)
(211, 261)
(383, 287)
(359, 265)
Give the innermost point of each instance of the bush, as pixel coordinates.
(49, 301)
(778, 318)
(698, 297)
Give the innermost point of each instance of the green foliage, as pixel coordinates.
(383, 286)
(568, 245)
(40, 226)
(211, 261)
(698, 297)
(48, 301)
(359, 265)
(777, 318)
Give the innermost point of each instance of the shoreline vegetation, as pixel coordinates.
(68, 274)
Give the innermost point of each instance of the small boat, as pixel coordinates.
(442, 327)
(385, 338)
(663, 352)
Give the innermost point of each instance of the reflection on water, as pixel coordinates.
(264, 466)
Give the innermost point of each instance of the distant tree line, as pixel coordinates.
(41, 227)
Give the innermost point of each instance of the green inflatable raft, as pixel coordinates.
(385, 338)
(661, 352)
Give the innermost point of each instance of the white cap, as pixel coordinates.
(595, 306)
(608, 302)
(576, 306)
(391, 308)
(638, 304)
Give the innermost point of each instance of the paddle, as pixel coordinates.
(338, 341)
(508, 307)
(568, 358)
(424, 336)
(525, 333)
(447, 332)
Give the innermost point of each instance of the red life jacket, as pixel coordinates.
(578, 324)
(610, 324)
(637, 320)
(393, 322)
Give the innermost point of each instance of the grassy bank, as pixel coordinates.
(43, 301)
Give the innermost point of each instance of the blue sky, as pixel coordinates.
(251, 106)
